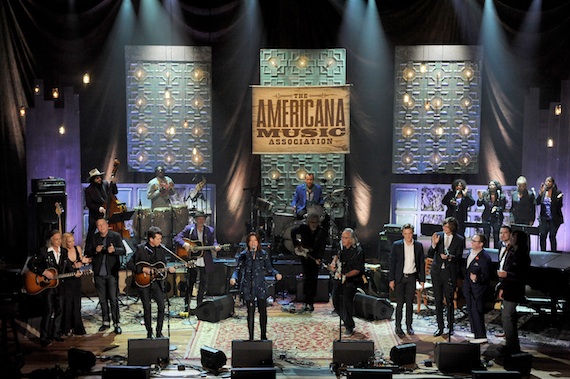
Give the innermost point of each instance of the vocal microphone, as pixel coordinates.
(533, 192)
(456, 193)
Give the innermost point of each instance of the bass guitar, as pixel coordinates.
(196, 249)
(34, 283)
(301, 251)
(158, 271)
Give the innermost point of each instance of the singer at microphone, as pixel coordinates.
(458, 200)
(494, 203)
(523, 208)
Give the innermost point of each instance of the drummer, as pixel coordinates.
(159, 189)
(307, 195)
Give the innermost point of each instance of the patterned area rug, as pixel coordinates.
(302, 335)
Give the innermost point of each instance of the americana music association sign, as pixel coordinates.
(290, 120)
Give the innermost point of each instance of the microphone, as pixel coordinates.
(533, 191)
(456, 193)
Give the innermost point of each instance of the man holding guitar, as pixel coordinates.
(144, 262)
(198, 233)
(46, 264)
(310, 241)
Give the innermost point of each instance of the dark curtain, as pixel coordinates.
(58, 40)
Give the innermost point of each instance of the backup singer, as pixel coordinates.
(513, 270)
(523, 208)
(201, 234)
(151, 252)
(550, 201)
(51, 256)
(310, 237)
(253, 264)
(159, 189)
(494, 202)
(407, 267)
(476, 285)
(96, 196)
(71, 289)
(446, 250)
(458, 201)
(351, 262)
(105, 249)
(307, 195)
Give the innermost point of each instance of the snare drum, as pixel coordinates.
(181, 217)
(287, 240)
(162, 218)
(141, 221)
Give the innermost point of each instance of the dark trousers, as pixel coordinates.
(191, 278)
(547, 228)
(262, 308)
(156, 292)
(475, 302)
(108, 291)
(344, 295)
(405, 291)
(311, 274)
(509, 318)
(52, 306)
(495, 225)
(443, 287)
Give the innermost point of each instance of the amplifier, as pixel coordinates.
(393, 228)
(48, 185)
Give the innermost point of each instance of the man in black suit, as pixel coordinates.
(478, 272)
(406, 267)
(105, 249)
(447, 251)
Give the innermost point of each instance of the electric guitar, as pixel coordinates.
(196, 249)
(301, 251)
(158, 271)
(34, 283)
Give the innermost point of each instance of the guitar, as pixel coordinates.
(301, 251)
(196, 249)
(34, 283)
(196, 191)
(58, 211)
(158, 272)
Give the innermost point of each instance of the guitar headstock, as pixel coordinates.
(116, 164)
(58, 208)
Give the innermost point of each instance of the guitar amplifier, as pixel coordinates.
(54, 185)
(322, 295)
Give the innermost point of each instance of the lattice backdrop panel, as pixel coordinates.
(169, 115)
(437, 110)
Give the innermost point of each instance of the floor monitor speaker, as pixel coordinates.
(521, 362)
(372, 307)
(252, 353)
(456, 357)
(125, 372)
(352, 353)
(146, 352)
(368, 373)
(404, 354)
(216, 310)
(483, 374)
(254, 372)
(212, 359)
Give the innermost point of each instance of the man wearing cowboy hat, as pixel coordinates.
(96, 195)
(198, 234)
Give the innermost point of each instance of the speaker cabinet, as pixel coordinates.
(352, 353)
(372, 307)
(80, 361)
(254, 372)
(216, 310)
(480, 374)
(212, 359)
(457, 357)
(146, 352)
(218, 280)
(404, 354)
(368, 373)
(252, 353)
(322, 295)
(125, 372)
(290, 269)
(521, 362)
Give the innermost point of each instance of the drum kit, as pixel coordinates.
(281, 219)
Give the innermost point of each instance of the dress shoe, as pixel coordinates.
(149, 335)
(348, 332)
(264, 338)
(438, 332)
(103, 328)
(411, 331)
(118, 330)
(450, 333)
(400, 333)
(58, 338)
(305, 307)
(159, 334)
(311, 307)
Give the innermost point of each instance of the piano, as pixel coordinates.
(525, 228)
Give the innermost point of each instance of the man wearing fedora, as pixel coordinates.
(198, 234)
(96, 195)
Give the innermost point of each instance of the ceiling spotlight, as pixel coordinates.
(329, 174)
(55, 93)
(330, 62)
(197, 74)
(302, 62)
(37, 89)
(86, 78)
(273, 62)
(409, 73)
(274, 174)
(301, 173)
(61, 129)
(22, 111)
(550, 143)
(407, 131)
(558, 110)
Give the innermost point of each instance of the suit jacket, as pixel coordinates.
(396, 263)
(517, 266)
(523, 208)
(190, 233)
(481, 266)
(500, 202)
(459, 212)
(113, 260)
(300, 196)
(96, 197)
(44, 259)
(455, 252)
(555, 207)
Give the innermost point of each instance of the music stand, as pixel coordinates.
(121, 217)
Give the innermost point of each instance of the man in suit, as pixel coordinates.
(306, 195)
(105, 250)
(447, 251)
(406, 267)
(476, 285)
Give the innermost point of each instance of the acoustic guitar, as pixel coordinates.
(196, 249)
(34, 283)
(158, 271)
